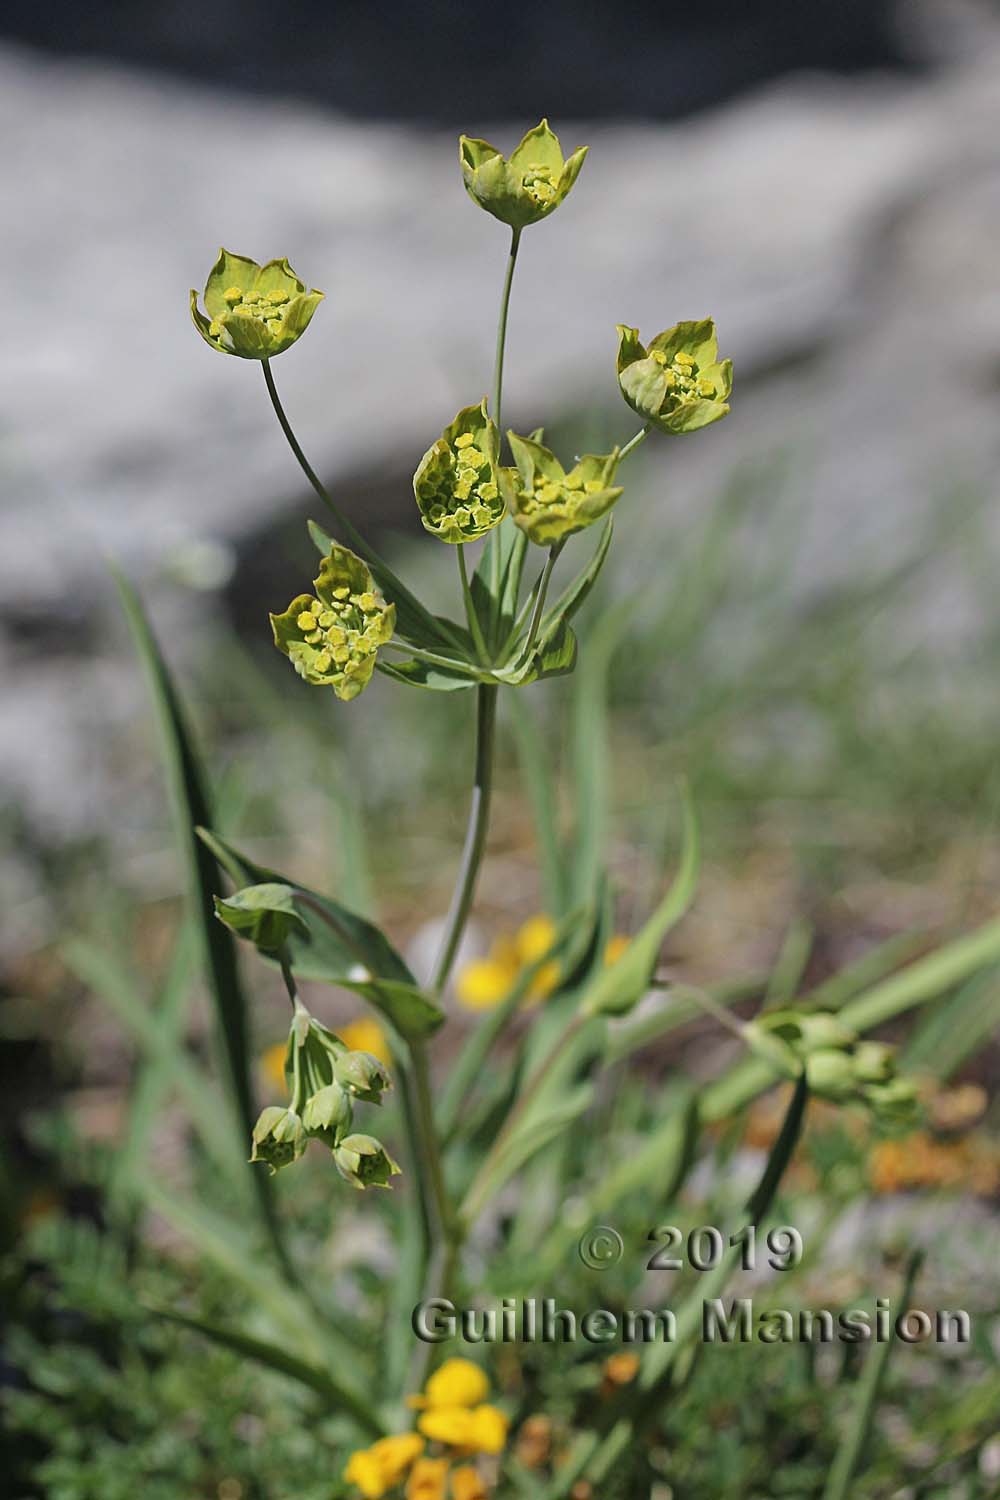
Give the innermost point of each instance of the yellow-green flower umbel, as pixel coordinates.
(253, 311)
(457, 483)
(549, 504)
(528, 186)
(679, 382)
(333, 638)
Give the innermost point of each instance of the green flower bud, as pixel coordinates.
(895, 1102)
(822, 1030)
(457, 483)
(334, 638)
(253, 311)
(363, 1162)
(327, 1114)
(362, 1075)
(278, 1137)
(679, 382)
(772, 1038)
(829, 1073)
(874, 1062)
(549, 504)
(529, 186)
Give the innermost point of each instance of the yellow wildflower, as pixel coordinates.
(467, 1484)
(458, 1382)
(448, 1424)
(272, 1065)
(483, 983)
(364, 1470)
(366, 1035)
(428, 1479)
(488, 1430)
(615, 947)
(381, 1467)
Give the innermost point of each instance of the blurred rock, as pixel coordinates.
(842, 233)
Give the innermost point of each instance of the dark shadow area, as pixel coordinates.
(446, 62)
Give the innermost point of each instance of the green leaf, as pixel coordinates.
(192, 807)
(553, 655)
(575, 594)
(324, 941)
(316, 1377)
(423, 674)
(851, 1451)
(616, 989)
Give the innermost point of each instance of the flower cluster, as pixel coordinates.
(547, 502)
(838, 1064)
(679, 382)
(333, 638)
(253, 311)
(527, 187)
(457, 483)
(325, 1079)
(437, 1462)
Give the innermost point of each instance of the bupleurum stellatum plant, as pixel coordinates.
(526, 504)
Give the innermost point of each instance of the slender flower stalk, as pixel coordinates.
(543, 588)
(347, 525)
(496, 412)
(475, 629)
(475, 836)
(633, 442)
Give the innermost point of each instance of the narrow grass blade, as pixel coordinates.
(192, 808)
(334, 1392)
(851, 1450)
(543, 795)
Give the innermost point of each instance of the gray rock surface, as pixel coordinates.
(843, 234)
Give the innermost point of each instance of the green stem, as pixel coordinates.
(633, 442)
(543, 588)
(475, 836)
(496, 411)
(515, 240)
(394, 584)
(470, 608)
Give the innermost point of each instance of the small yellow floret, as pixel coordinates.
(464, 440)
(467, 1484)
(488, 491)
(593, 486)
(428, 1479)
(683, 358)
(232, 295)
(364, 1470)
(364, 1035)
(458, 1382)
(483, 983)
(487, 1429)
(658, 355)
(307, 620)
(277, 297)
(705, 387)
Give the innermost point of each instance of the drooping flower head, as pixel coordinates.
(679, 382)
(457, 484)
(253, 311)
(333, 638)
(527, 187)
(547, 502)
(364, 1162)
